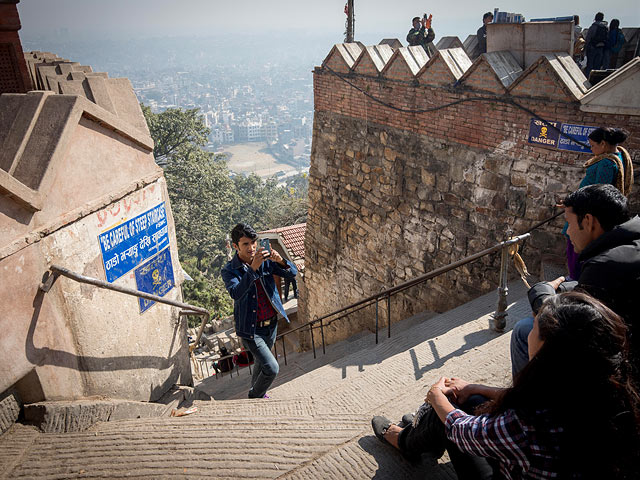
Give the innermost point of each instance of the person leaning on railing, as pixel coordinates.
(573, 412)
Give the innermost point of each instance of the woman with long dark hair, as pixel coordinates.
(571, 413)
(610, 164)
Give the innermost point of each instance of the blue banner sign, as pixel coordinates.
(579, 132)
(127, 245)
(540, 133)
(155, 277)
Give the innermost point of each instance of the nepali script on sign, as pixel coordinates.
(127, 245)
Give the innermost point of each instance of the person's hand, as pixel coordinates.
(460, 388)
(439, 385)
(556, 283)
(427, 23)
(259, 258)
(276, 257)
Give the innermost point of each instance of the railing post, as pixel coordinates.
(376, 321)
(389, 315)
(313, 343)
(324, 352)
(500, 316)
(284, 350)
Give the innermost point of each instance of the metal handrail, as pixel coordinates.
(427, 276)
(387, 293)
(55, 271)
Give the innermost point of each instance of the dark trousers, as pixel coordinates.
(429, 436)
(287, 282)
(595, 55)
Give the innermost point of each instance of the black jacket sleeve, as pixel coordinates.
(542, 290)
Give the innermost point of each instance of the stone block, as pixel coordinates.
(9, 409)
(518, 179)
(79, 415)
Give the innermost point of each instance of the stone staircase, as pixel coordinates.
(316, 425)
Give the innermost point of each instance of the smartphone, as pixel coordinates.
(264, 243)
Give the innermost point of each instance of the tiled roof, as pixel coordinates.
(292, 237)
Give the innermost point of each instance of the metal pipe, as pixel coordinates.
(389, 316)
(431, 274)
(57, 270)
(322, 333)
(284, 351)
(500, 316)
(376, 321)
(313, 343)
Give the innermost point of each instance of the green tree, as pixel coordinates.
(175, 130)
(202, 199)
(206, 202)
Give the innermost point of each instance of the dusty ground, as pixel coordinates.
(248, 157)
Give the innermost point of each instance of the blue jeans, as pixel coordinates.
(265, 366)
(520, 345)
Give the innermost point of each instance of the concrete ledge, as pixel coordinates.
(79, 415)
(9, 410)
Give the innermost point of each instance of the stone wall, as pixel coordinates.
(394, 195)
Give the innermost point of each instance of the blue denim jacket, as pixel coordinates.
(239, 279)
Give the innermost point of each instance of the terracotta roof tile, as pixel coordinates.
(292, 237)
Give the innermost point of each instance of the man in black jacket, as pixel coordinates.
(422, 34)
(608, 243)
(481, 34)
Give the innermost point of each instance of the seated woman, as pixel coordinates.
(571, 413)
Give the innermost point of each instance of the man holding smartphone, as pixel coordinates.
(422, 34)
(248, 278)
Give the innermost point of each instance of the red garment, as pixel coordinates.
(265, 310)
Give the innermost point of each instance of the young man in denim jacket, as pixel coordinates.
(248, 278)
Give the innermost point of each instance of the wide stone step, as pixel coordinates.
(315, 426)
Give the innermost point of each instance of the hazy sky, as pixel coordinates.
(374, 18)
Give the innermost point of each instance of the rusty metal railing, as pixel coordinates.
(55, 271)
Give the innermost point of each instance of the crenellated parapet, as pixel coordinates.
(61, 76)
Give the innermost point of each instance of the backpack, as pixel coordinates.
(600, 36)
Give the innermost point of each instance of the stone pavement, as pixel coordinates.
(315, 426)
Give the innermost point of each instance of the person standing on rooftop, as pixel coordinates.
(487, 18)
(422, 34)
(596, 40)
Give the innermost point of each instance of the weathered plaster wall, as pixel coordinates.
(393, 195)
(71, 169)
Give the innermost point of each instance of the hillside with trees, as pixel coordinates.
(207, 202)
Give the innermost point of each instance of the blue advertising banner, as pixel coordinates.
(541, 134)
(127, 245)
(579, 132)
(155, 277)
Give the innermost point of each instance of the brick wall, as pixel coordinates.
(393, 195)
(14, 77)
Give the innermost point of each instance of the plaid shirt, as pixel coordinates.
(522, 451)
(265, 310)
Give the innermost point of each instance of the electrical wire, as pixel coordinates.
(508, 101)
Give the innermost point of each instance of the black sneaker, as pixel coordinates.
(380, 426)
(407, 419)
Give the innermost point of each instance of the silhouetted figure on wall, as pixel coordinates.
(487, 18)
